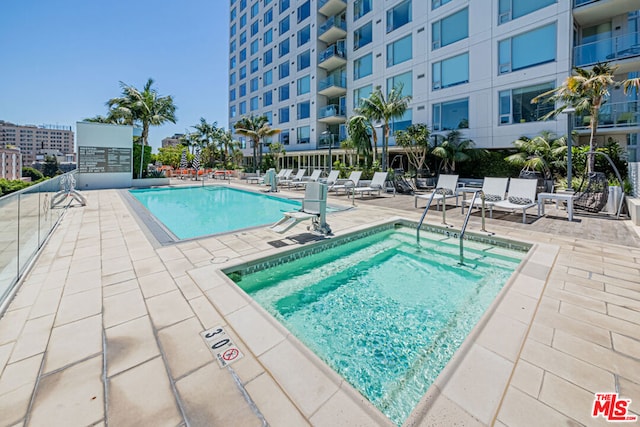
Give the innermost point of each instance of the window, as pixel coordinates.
(283, 92)
(253, 104)
(304, 11)
(437, 3)
(232, 78)
(243, 20)
(232, 46)
(243, 4)
(363, 67)
(266, 2)
(284, 5)
(269, 116)
(304, 135)
(304, 35)
(255, 45)
(232, 62)
(267, 98)
(243, 55)
(254, 84)
(304, 110)
(512, 9)
(267, 78)
(399, 51)
(361, 8)
(255, 8)
(243, 107)
(243, 72)
(304, 60)
(304, 85)
(284, 137)
(526, 50)
(450, 72)
(232, 30)
(243, 38)
(243, 90)
(450, 29)
(363, 35)
(283, 49)
(255, 65)
(232, 95)
(233, 14)
(399, 15)
(232, 111)
(283, 115)
(361, 93)
(403, 122)
(268, 37)
(405, 80)
(284, 25)
(267, 17)
(283, 70)
(451, 115)
(516, 107)
(255, 27)
(267, 57)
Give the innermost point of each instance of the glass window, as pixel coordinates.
(450, 72)
(512, 9)
(243, 4)
(451, 115)
(304, 85)
(268, 37)
(232, 95)
(243, 55)
(304, 60)
(232, 78)
(437, 3)
(267, 98)
(526, 50)
(232, 62)
(361, 93)
(283, 48)
(404, 79)
(243, 72)
(450, 29)
(399, 15)
(284, 5)
(233, 14)
(403, 122)
(267, 17)
(269, 116)
(254, 84)
(255, 27)
(304, 11)
(267, 78)
(243, 107)
(255, 46)
(284, 137)
(267, 57)
(516, 107)
(283, 70)
(361, 8)
(232, 30)
(284, 25)
(399, 51)
(266, 2)
(255, 65)
(283, 92)
(243, 38)
(304, 110)
(243, 20)
(243, 89)
(304, 135)
(363, 66)
(363, 35)
(304, 35)
(253, 104)
(255, 8)
(232, 111)
(232, 46)
(283, 115)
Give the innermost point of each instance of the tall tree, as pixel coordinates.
(360, 132)
(208, 134)
(256, 128)
(381, 109)
(415, 141)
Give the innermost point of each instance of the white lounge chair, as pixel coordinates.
(494, 190)
(315, 175)
(377, 184)
(446, 188)
(331, 179)
(521, 195)
(347, 184)
(297, 178)
(314, 207)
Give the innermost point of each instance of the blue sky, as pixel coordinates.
(62, 60)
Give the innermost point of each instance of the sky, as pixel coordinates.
(62, 60)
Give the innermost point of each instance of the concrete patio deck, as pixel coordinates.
(105, 329)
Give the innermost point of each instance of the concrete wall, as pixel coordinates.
(104, 136)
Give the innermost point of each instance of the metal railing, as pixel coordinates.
(614, 48)
(338, 81)
(615, 114)
(331, 110)
(333, 22)
(331, 51)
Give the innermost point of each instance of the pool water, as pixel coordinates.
(200, 211)
(383, 312)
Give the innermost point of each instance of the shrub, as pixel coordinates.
(32, 173)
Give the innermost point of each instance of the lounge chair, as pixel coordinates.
(347, 184)
(314, 207)
(377, 184)
(446, 188)
(331, 179)
(521, 195)
(494, 190)
(296, 178)
(315, 175)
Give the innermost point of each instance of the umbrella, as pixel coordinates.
(183, 160)
(196, 162)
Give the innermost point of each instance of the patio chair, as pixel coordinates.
(296, 178)
(521, 195)
(494, 190)
(445, 189)
(315, 175)
(347, 184)
(314, 207)
(377, 184)
(331, 179)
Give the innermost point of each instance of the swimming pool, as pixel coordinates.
(383, 312)
(199, 211)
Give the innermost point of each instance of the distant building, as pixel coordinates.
(10, 163)
(172, 141)
(35, 141)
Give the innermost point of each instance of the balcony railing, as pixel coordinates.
(577, 3)
(330, 52)
(325, 140)
(334, 21)
(331, 110)
(615, 114)
(614, 48)
(338, 81)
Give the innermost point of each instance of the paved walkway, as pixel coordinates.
(105, 330)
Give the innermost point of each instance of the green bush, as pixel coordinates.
(10, 186)
(32, 173)
(493, 164)
(136, 160)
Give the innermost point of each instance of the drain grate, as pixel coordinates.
(278, 243)
(301, 239)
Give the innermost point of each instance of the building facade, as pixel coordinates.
(469, 65)
(172, 141)
(10, 163)
(36, 141)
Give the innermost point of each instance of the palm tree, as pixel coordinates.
(360, 132)
(454, 150)
(208, 134)
(586, 91)
(256, 128)
(383, 110)
(539, 153)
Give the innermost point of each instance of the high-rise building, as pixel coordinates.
(37, 141)
(469, 65)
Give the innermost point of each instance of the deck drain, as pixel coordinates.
(278, 243)
(219, 259)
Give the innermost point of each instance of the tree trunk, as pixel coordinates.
(592, 139)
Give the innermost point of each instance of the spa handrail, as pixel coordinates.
(424, 214)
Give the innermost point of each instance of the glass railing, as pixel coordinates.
(577, 3)
(321, 3)
(331, 139)
(331, 110)
(27, 218)
(611, 49)
(615, 114)
(333, 22)
(339, 81)
(331, 51)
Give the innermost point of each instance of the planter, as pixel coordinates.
(149, 182)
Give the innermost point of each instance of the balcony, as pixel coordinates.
(588, 12)
(332, 86)
(333, 57)
(331, 114)
(613, 117)
(612, 49)
(333, 30)
(331, 7)
(325, 140)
